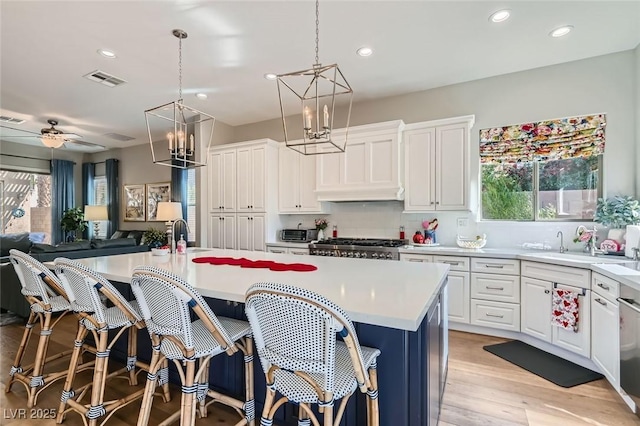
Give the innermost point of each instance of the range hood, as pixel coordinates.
(369, 170)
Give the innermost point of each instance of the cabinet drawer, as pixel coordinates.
(495, 266)
(605, 286)
(495, 314)
(501, 288)
(576, 277)
(416, 257)
(455, 263)
(299, 251)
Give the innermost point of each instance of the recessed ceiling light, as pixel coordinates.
(107, 53)
(270, 76)
(364, 51)
(201, 95)
(500, 15)
(562, 31)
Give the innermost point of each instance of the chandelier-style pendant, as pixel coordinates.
(177, 129)
(318, 89)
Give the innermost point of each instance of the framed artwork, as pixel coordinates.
(134, 206)
(156, 192)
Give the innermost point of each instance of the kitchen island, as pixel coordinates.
(398, 307)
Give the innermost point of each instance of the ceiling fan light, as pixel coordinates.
(52, 141)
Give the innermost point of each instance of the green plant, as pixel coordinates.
(617, 212)
(73, 220)
(548, 212)
(505, 195)
(154, 237)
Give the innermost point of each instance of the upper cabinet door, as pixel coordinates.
(288, 183)
(452, 167)
(308, 200)
(245, 179)
(216, 181)
(420, 182)
(229, 181)
(258, 178)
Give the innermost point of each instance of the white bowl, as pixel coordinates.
(471, 243)
(159, 251)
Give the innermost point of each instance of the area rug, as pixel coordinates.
(7, 318)
(548, 366)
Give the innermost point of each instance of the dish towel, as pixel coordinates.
(565, 309)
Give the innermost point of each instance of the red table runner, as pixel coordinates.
(247, 263)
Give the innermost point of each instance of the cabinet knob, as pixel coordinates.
(547, 292)
(437, 202)
(432, 203)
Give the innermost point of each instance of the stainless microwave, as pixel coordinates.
(298, 235)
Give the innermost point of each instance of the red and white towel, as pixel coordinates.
(565, 309)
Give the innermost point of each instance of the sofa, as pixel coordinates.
(11, 298)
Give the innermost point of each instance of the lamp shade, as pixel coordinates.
(96, 213)
(52, 141)
(168, 211)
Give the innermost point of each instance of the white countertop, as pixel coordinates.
(389, 294)
(626, 275)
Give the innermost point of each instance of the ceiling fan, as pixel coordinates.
(55, 138)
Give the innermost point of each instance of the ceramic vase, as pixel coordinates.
(320, 234)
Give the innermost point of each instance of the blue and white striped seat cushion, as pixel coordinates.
(204, 343)
(115, 317)
(298, 390)
(58, 304)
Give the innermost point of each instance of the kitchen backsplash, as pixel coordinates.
(382, 219)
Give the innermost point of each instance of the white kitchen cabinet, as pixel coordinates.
(437, 165)
(297, 183)
(251, 232)
(222, 230)
(283, 249)
(222, 180)
(457, 286)
(536, 303)
(251, 182)
(369, 169)
(605, 323)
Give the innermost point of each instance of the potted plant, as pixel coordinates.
(73, 222)
(154, 238)
(617, 212)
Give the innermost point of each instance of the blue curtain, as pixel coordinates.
(88, 176)
(113, 195)
(179, 194)
(64, 192)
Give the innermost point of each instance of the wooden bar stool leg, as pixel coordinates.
(372, 397)
(97, 410)
(163, 380)
(303, 417)
(37, 379)
(203, 386)
(132, 351)
(157, 360)
(189, 390)
(266, 419)
(17, 364)
(67, 391)
(249, 406)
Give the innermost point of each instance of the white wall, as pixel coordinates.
(637, 144)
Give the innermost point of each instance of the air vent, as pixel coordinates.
(104, 78)
(119, 137)
(6, 119)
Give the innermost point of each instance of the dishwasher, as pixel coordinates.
(629, 301)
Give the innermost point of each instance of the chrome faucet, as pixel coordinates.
(172, 237)
(562, 247)
(635, 251)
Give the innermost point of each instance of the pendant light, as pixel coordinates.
(317, 89)
(174, 128)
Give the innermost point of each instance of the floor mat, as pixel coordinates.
(7, 318)
(548, 366)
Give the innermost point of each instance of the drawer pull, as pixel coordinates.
(600, 301)
(602, 286)
(416, 260)
(494, 315)
(494, 266)
(495, 288)
(450, 262)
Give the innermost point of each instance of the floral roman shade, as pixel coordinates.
(543, 141)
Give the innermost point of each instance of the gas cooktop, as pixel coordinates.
(364, 248)
(362, 242)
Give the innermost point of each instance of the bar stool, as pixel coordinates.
(295, 334)
(44, 292)
(88, 292)
(166, 302)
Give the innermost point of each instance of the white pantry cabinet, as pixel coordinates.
(222, 180)
(436, 155)
(369, 169)
(222, 230)
(251, 183)
(251, 232)
(297, 182)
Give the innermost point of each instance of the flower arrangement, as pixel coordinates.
(321, 224)
(617, 212)
(584, 235)
(154, 237)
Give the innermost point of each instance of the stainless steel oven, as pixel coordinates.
(630, 343)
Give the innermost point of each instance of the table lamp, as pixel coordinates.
(169, 211)
(94, 214)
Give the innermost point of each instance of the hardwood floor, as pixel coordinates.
(482, 389)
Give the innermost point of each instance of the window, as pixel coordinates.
(553, 190)
(100, 199)
(26, 204)
(191, 203)
(549, 170)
